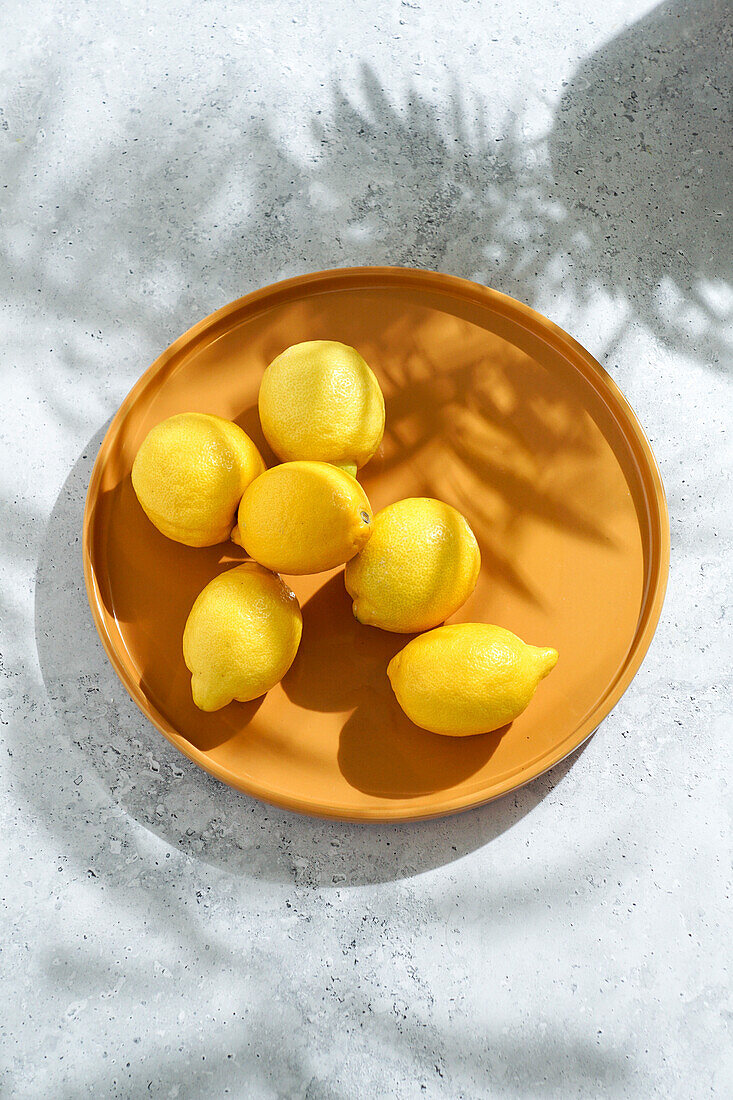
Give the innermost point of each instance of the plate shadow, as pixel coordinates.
(167, 794)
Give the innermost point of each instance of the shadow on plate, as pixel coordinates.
(340, 666)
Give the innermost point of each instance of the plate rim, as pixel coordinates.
(541, 326)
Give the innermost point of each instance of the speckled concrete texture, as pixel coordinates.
(162, 935)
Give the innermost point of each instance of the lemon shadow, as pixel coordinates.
(382, 753)
(152, 603)
(340, 662)
(342, 666)
(249, 422)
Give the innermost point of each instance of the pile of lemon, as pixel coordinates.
(201, 480)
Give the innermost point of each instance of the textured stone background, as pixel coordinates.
(162, 935)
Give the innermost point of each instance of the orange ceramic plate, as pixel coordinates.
(489, 407)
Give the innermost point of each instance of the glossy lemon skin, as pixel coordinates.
(420, 565)
(467, 678)
(303, 517)
(241, 636)
(320, 401)
(189, 475)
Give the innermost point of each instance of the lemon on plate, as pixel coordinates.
(319, 400)
(420, 565)
(189, 475)
(467, 678)
(303, 517)
(241, 636)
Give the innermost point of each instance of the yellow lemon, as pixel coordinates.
(241, 636)
(420, 565)
(319, 400)
(467, 678)
(303, 517)
(189, 476)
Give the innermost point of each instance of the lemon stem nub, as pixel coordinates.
(546, 659)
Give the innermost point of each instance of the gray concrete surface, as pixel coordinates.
(164, 936)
